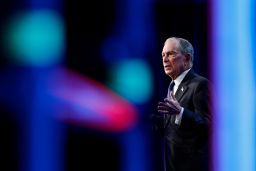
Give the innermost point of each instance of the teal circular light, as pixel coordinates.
(36, 38)
(132, 79)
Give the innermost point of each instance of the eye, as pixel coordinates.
(170, 54)
(173, 53)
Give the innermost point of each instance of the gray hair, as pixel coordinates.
(185, 47)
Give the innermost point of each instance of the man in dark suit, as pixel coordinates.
(186, 110)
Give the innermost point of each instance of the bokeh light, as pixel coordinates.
(82, 101)
(132, 79)
(35, 38)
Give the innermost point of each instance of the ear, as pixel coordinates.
(187, 57)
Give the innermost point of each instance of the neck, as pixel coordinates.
(173, 77)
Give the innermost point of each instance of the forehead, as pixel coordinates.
(170, 45)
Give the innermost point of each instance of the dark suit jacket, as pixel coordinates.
(186, 145)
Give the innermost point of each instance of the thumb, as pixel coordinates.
(172, 95)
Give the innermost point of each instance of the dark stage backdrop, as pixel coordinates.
(88, 24)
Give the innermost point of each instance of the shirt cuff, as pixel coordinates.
(179, 117)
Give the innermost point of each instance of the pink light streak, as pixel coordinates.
(88, 103)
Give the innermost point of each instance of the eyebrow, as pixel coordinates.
(170, 52)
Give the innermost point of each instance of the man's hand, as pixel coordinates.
(169, 106)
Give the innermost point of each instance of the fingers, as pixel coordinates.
(163, 111)
(162, 104)
(162, 107)
(172, 96)
(169, 101)
(165, 108)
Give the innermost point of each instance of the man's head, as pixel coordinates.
(177, 56)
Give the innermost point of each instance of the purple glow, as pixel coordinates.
(85, 102)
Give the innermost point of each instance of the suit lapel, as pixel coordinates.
(181, 91)
(183, 85)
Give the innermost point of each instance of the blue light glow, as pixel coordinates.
(234, 92)
(36, 38)
(132, 79)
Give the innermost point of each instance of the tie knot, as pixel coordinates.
(171, 85)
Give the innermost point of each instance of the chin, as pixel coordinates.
(168, 73)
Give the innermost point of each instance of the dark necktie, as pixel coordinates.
(170, 88)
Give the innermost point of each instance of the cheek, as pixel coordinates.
(178, 64)
(174, 61)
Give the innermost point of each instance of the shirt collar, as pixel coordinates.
(179, 79)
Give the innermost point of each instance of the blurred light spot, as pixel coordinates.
(85, 102)
(35, 38)
(132, 79)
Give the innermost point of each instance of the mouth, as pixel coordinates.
(167, 67)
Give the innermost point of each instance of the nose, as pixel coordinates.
(165, 59)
